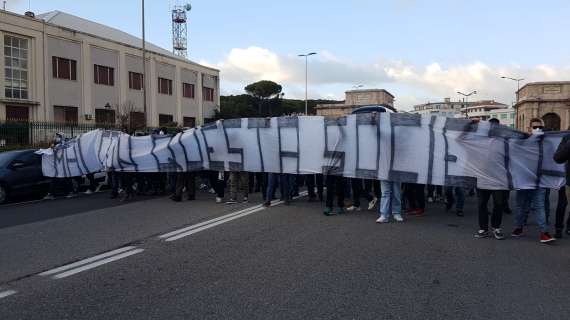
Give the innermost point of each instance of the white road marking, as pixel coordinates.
(85, 261)
(211, 225)
(4, 294)
(184, 232)
(97, 264)
(170, 234)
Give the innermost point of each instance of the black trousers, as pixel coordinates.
(313, 180)
(561, 210)
(335, 187)
(416, 195)
(186, 180)
(498, 208)
(358, 191)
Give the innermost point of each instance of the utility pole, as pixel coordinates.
(306, 77)
(144, 67)
(465, 99)
(517, 97)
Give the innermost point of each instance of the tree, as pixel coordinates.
(263, 90)
(128, 118)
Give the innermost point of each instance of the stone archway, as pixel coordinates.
(551, 121)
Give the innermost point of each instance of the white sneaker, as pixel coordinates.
(212, 191)
(353, 208)
(218, 200)
(49, 196)
(398, 217)
(430, 199)
(88, 191)
(382, 219)
(372, 203)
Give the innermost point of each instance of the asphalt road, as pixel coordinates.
(284, 262)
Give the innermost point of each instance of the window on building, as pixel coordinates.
(164, 119)
(15, 67)
(512, 115)
(189, 122)
(165, 86)
(104, 75)
(105, 116)
(504, 116)
(14, 113)
(136, 81)
(208, 94)
(188, 90)
(68, 115)
(137, 120)
(64, 68)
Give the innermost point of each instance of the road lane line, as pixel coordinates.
(170, 234)
(211, 225)
(96, 264)
(86, 261)
(184, 232)
(7, 293)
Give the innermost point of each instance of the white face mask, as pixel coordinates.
(537, 130)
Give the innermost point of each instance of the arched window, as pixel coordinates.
(551, 121)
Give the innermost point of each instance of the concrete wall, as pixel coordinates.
(45, 92)
(63, 92)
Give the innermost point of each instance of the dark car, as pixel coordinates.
(21, 173)
(374, 108)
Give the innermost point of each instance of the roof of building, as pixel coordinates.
(542, 83)
(69, 21)
(370, 90)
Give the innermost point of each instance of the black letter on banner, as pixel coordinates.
(288, 122)
(228, 124)
(335, 156)
(464, 126)
(401, 120)
(214, 165)
(540, 171)
(505, 133)
(191, 165)
(259, 123)
(121, 161)
(171, 165)
(431, 149)
(368, 119)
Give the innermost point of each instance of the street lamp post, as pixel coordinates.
(144, 67)
(517, 95)
(465, 99)
(306, 77)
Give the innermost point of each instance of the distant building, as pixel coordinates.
(355, 99)
(549, 101)
(447, 108)
(482, 109)
(56, 67)
(505, 116)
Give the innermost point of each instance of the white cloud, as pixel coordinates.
(330, 76)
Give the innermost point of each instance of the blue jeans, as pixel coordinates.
(391, 198)
(534, 200)
(284, 181)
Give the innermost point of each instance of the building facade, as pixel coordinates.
(549, 101)
(356, 99)
(56, 67)
(447, 108)
(505, 116)
(482, 109)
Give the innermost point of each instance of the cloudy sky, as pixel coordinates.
(419, 50)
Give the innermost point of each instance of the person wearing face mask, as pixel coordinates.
(532, 198)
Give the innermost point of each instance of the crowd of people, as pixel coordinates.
(394, 200)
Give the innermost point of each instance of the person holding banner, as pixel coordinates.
(534, 199)
(562, 155)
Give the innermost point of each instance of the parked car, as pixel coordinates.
(21, 174)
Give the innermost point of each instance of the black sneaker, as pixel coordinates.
(459, 213)
(231, 201)
(558, 234)
(517, 232)
(267, 204)
(498, 234)
(482, 234)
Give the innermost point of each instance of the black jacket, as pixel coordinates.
(562, 155)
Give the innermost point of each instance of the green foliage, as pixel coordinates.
(263, 89)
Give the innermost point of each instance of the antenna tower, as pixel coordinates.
(179, 31)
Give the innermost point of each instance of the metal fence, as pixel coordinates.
(19, 135)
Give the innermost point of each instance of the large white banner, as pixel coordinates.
(401, 147)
